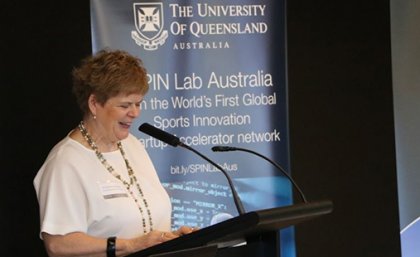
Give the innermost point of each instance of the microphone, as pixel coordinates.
(160, 134)
(175, 141)
(229, 148)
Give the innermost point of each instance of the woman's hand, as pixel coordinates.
(184, 230)
(156, 237)
(150, 239)
(81, 244)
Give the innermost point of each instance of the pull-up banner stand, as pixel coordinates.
(217, 76)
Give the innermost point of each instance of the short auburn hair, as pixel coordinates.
(107, 74)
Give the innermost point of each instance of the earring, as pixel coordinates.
(94, 117)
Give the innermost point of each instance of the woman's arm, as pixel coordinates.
(80, 244)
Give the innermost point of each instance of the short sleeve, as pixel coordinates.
(62, 199)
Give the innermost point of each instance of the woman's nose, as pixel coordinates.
(134, 111)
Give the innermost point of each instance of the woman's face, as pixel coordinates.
(116, 116)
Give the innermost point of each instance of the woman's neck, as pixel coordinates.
(98, 135)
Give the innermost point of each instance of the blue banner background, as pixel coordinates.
(227, 68)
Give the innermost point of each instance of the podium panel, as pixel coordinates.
(204, 251)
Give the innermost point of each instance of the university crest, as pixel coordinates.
(148, 19)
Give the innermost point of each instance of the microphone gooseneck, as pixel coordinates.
(236, 198)
(230, 148)
(175, 141)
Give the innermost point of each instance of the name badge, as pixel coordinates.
(111, 190)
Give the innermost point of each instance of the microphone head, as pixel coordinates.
(220, 148)
(160, 134)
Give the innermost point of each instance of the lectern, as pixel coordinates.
(252, 234)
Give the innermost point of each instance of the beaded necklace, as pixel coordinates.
(133, 178)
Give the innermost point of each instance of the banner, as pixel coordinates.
(217, 76)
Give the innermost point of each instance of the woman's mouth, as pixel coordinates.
(125, 125)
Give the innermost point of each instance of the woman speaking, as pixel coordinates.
(98, 191)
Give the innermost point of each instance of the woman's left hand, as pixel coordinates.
(184, 230)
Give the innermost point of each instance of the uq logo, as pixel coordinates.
(148, 19)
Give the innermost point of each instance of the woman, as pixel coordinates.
(98, 192)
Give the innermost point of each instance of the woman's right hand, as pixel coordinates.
(150, 239)
(80, 244)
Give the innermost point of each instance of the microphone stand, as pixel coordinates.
(236, 198)
(228, 148)
(175, 141)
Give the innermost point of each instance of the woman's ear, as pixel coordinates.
(92, 104)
